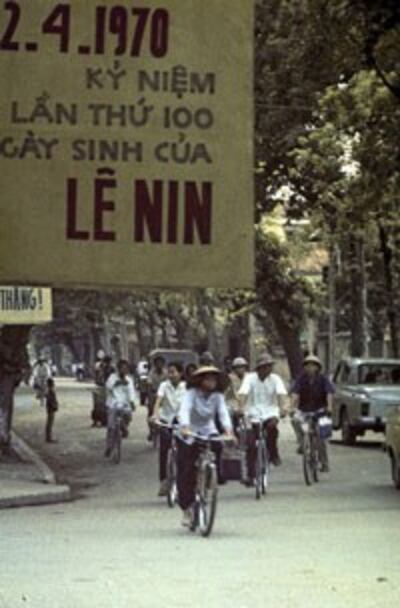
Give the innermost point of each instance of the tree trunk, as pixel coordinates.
(13, 362)
(56, 356)
(140, 337)
(387, 255)
(207, 318)
(239, 337)
(291, 342)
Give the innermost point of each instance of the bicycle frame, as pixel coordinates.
(117, 436)
(309, 426)
(262, 462)
(172, 493)
(205, 504)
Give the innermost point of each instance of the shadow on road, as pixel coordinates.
(359, 445)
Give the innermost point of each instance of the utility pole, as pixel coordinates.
(332, 308)
(364, 299)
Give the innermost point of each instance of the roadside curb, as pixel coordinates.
(42, 489)
(26, 454)
(36, 497)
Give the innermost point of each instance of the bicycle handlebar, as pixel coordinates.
(206, 440)
(315, 414)
(164, 425)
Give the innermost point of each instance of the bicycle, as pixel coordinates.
(40, 394)
(262, 460)
(153, 436)
(310, 445)
(205, 505)
(116, 437)
(172, 492)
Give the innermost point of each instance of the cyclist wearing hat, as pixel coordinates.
(311, 392)
(200, 406)
(263, 400)
(235, 380)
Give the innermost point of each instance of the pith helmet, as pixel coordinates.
(239, 362)
(206, 369)
(313, 359)
(265, 359)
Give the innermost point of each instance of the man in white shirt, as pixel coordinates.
(235, 381)
(41, 374)
(121, 395)
(166, 410)
(262, 396)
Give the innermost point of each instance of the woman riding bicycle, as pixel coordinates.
(122, 398)
(166, 410)
(202, 402)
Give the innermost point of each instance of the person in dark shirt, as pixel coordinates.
(312, 391)
(51, 408)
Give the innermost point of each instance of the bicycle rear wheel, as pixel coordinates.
(208, 499)
(307, 461)
(172, 492)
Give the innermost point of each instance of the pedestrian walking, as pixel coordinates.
(51, 409)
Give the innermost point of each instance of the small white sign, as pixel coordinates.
(25, 305)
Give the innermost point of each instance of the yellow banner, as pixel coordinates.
(126, 143)
(25, 305)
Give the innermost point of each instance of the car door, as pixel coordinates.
(339, 395)
(395, 433)
(353, 394)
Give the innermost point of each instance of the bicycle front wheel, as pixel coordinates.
(261, 480)
(172, 493)
(116, 452)
(315, 459)
(208, 499)
(266, 471)
(308, 468)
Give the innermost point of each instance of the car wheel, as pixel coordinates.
(349, 436)
(395, 472)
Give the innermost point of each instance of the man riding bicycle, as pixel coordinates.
(122, 399)
(312, 392)
(200, 406)
(232, 398)
(262, 396)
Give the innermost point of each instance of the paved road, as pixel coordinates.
(332, 546)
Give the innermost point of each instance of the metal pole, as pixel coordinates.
(364, 296)
(332, 309)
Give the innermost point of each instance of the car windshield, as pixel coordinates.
(383, 374)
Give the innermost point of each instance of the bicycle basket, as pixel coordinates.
(232, 465)
(325, 427)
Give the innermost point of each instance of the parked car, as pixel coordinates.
(367, 391)
(393, 444)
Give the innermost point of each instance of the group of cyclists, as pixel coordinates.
(205, 402)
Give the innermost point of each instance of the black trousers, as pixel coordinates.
(51, 414)
(186, 474)
(165, 444)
